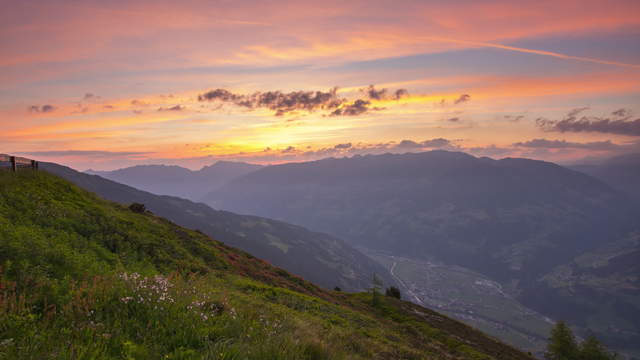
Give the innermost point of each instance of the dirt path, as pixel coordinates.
(415, 297)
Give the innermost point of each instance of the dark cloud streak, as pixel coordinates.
(280, 102)
(342, 146)
(358, 107)
(383, 94)
(571, 123)
(173, 108)
(288, 103)
(41, 109)
(563, 144)
(462, 99)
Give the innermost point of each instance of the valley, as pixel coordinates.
(517, 222)
(469, 297)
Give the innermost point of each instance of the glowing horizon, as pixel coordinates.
(108, 85)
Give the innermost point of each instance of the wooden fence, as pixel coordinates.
(16, 162)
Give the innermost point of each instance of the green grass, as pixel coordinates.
(83, 278)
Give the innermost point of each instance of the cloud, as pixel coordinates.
(280, 102)
(348, 149)
(437, 143)
(514, 118)
(383, 94)
(453, 119)
(462, 98)
(84, 153)
(532, 51)
(137, 102)
(408, 144)
(577, 111)
(173, 108)
(571, 123)
(283, 103)
(563, 144)
(400, 93)
(358, 107)
(88, 96)
(41, 109)
(343, 146)
(47, 108)
(219, 94)
(622, 113)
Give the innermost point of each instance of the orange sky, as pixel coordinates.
(112, 84)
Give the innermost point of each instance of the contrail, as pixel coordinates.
(532, 51)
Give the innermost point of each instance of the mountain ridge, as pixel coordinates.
(321, 258)
(514, 220)
(620, 172)
(176, 180)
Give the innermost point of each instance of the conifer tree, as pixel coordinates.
(592, 349)
(562, 344)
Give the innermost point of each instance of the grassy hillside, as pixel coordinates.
(320, 258)
(83, 278)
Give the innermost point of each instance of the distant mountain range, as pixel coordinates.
(320, 258)
(176, 180)
(521, 222)
(621, 172)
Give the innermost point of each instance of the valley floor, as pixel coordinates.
(469, 297)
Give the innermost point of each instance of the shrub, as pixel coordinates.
(138, 208)
(393, 292)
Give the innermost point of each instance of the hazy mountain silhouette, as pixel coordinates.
(321, 258)
(621, 172)
(515, 220)
(178, 181)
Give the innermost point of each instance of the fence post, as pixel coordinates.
(33, 164)
(36, 165)
(13, 163)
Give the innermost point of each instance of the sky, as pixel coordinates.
(110, 84)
